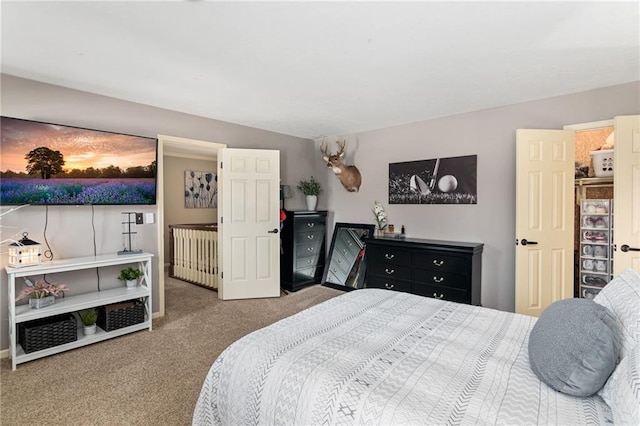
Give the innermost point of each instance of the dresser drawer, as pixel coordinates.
(308, 249)
(312, 223)
(307, 262)
(310, 236)
(444, 293)
(442, 261)
(439, 278)
(390, 271)
(308, 274)
(388, 255)
(388, 283)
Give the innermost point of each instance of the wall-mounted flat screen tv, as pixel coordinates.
(51, 164)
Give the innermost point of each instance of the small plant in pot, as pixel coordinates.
(89, 318)
(310, 188)
(130, 276)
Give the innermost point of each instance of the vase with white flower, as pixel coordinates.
(380, 217)
(41, 293)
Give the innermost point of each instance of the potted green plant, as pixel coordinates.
(130, 276)
(89, 318)
(310, 188)
(42, 293)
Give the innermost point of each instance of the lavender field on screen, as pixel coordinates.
(78, 191)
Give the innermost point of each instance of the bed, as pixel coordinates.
(380, 357)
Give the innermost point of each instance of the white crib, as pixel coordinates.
(194, 254)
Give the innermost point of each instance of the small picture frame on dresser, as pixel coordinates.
(346, 264)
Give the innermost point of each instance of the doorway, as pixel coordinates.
(171, 147)
(594, 193)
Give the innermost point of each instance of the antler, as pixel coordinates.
(323, 147)
(341, 143)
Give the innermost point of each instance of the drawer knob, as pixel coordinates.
(310, 249)
(388, 286)
(438, 262)
(309, 261)
(389, 256)
(438, 279)
(435, 295)
(311, 224)
(310, 236)
(389, 271)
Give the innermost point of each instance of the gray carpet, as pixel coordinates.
(144, 378)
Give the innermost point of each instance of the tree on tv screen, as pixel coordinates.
(44, 162)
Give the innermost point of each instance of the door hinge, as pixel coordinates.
(221, 275)
(221, 165)
(221, 220)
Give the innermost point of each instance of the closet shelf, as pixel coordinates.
(582, 184)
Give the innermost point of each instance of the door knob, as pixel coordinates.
(274, 231)
(524, 242)
(625, 248)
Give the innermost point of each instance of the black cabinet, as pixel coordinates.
(446, 270)
(303, 249)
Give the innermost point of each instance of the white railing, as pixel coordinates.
(194, 254)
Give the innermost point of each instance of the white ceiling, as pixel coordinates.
(314, 69)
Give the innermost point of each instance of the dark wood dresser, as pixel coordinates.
(303, 249)
(446, 270)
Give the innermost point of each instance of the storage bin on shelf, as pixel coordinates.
(44, 333)
(602, 161)
(119, 315)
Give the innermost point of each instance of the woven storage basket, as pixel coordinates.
(47, 332)
(119, 315)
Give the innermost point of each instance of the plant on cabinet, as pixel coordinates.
(310, 188)
(130, 276)
(89, 318)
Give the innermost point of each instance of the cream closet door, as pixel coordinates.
(626, 198)
(248, 223)
(544, 218)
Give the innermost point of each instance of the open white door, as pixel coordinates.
(248, 223)
(544, 218)
(626, 199)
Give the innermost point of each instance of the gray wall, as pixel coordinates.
(69, 229)
(490, 134)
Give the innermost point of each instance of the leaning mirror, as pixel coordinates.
(346, 263)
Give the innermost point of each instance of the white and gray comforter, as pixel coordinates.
(387, 358)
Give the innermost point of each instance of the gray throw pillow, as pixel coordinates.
(574, 346)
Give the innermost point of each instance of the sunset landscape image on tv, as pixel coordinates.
(50, 164)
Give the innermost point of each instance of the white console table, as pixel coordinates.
(22, 313)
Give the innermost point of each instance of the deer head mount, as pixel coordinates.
(349, 175)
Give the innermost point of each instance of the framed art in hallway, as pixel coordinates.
(200, 189)
(451, 180)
